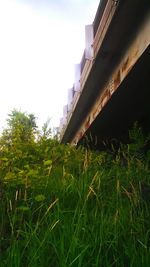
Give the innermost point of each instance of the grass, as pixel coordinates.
(72, 207)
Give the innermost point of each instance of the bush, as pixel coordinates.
(67, 206)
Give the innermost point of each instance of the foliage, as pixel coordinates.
(21, 128)
(67, 206)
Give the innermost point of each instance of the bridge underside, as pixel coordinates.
(130, 103)
(115, 84)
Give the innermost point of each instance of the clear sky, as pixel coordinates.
(40, 41)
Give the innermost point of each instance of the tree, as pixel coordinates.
(21, 128)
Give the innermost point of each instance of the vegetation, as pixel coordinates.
(66, 206)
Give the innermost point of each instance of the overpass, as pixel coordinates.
(112, 83)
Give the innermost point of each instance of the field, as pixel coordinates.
(64, 206)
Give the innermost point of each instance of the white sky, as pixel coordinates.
(40, 41)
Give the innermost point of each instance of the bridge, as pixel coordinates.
(112, 81)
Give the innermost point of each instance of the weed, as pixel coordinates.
(65, 206)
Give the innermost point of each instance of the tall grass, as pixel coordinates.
(72, 207)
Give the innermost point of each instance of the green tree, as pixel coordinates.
(21, 128)
(18, 142)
